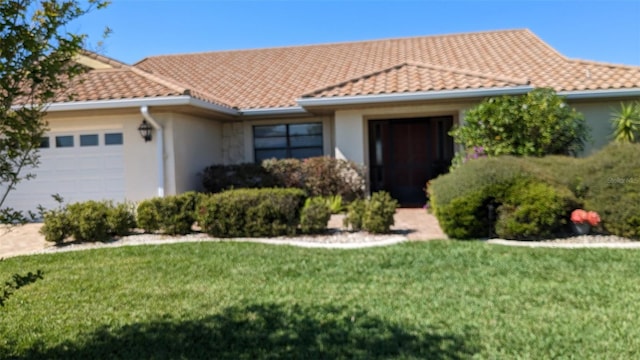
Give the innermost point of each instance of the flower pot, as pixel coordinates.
(581, 228)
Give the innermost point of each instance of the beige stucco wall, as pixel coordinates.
(233, 142)
(196, 145)
(598, 117)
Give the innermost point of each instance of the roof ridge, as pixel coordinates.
(176, 86)
(603, 63)
(501, 77)
(103, 58)
(334, 43)
(521, 81)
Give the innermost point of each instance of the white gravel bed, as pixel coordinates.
(333, 239)
(575, 242)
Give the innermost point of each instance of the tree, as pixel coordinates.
(536, 124)
(36, 64)
(626, 123)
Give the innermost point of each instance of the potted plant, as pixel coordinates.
(583, 220)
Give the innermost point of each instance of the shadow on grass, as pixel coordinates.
(267, 332)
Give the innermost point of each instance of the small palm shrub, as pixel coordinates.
(314, 216)
(252, 212)
(626, 123)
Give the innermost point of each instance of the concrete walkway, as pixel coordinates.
(414, 224)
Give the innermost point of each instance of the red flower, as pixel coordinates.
(579, 216)
(593, 218)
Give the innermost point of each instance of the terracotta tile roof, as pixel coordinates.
(408, 77)
(121, 81)
(276, 77)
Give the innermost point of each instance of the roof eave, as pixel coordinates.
(137, 102)
(291, 110)
(600, 94)
(413, 96)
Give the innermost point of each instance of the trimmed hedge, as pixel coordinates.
(88, 221)
(534, 197)
(374, 215)
(252, 212)
(314, 216)
(173, 215)
(217, 178)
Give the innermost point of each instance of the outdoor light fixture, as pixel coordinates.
(145, 130)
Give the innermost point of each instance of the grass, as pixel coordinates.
(437, 300)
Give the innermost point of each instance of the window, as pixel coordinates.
(113, 139)
(44, 143)
(64, 141)
(287, 141)
(89, 140)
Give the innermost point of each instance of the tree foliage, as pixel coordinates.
(536, 124)
(36, 65)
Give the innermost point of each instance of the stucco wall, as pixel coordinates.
(233, 142)
(598, 117)
(197, 143)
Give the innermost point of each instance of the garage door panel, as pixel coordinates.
(76, 173)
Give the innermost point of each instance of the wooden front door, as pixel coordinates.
(405, 153)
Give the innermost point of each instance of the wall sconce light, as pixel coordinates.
(145, 130)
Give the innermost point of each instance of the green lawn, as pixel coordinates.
(437, 300)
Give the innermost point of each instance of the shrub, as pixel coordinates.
(89, 221)
(355, 215)
(148, 215)
(327, 176)
(56, 227)
(173, 215)
(533, 210)
(286, 173)
(121, 219)
(460, 200)
(611, 183)
(626, 123)
(252, 212)
(536, 124)
(314, 216)
(218, 178)
(335, 204)
(379, 211)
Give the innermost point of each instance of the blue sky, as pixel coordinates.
(607, 31)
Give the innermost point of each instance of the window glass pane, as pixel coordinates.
(306, 153)
(270, 142)
(270, 130)
(64, 141)
(44, 143)
(305, 129)
(300, 141)
(268, 154)
(113, 139)
(89, 140)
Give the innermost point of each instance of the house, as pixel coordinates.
(387, 104)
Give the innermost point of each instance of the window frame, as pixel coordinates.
(288, 148)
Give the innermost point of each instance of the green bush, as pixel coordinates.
(56, 227)
(533, 210)
(611, 183)
(378, 215)
(173, 215)
(121, 219)
(607, 182)
(460, 200)
(314, 216)
(90, 220)
(252, 212)
(536, 124)
(218, 178)
(355, 215)
(287, 173)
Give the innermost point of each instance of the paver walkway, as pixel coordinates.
(415, 224)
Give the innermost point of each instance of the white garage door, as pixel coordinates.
(78, 166)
